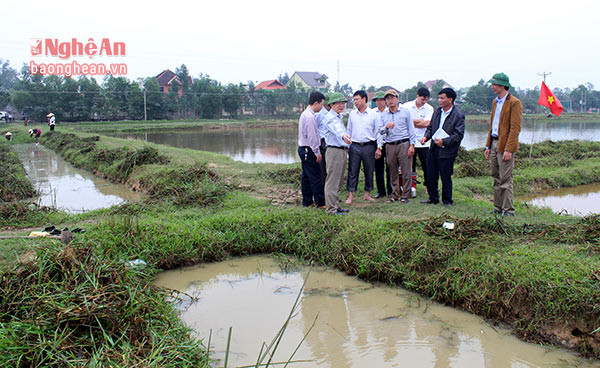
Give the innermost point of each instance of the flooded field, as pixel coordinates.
(65, 187)
(279, 145)
(581, 200)
(356, 324)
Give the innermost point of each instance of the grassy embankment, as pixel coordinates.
(537, 272)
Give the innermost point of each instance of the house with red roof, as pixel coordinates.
(270, 85)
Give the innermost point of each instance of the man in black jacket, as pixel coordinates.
(446, 131)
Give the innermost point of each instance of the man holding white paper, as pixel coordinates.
(446, 131)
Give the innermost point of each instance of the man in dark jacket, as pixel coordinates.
(446, 131)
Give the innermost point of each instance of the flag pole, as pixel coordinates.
(544, 74)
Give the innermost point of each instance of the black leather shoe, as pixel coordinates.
(377, 196)
(429, 201)
(342, 210)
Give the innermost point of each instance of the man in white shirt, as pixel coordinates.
(363, 127)
(421, 113)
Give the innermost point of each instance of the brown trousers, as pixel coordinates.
(397, 157)
(502, 173)
(336, 163)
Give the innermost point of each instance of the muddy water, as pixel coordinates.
(65, 187)
(581, 200)
(279, 145)
(357, 324)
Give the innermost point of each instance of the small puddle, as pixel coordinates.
(68, 188)
(357, 324)
(581, 200)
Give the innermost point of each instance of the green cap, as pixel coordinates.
(327, 96)
(379, 95)
(500, 79)
(336, 97)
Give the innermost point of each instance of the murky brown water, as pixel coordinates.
(65, 187)
(357, 324)
(581, 200)
(279, 145)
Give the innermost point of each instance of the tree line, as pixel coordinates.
(118, 98)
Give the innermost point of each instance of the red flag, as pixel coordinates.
(548, 99)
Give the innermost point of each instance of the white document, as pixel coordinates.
(440, 134)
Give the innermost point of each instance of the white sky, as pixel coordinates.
(394, 43)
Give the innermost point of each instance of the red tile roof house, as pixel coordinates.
(270, 85)
(167, 79)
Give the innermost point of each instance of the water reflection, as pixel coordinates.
(358, 325)
(65, 187)
(278, 145)
(581, 200)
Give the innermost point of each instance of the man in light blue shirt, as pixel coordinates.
(310, 155)
(363, 127)
(399, 136)
(322, 130)
(382, 170)
(337, 140)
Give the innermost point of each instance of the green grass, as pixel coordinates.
(537, 272)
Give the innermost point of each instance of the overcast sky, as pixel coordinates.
(394, 43)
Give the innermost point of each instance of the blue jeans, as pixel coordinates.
(312, 184)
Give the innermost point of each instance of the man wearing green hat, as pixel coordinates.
(380, 164)
(503, 142)
(337, 140)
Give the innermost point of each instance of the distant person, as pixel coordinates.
(382, 170)
(8, 136)
(446, 131)
(51, 121)
(310, 154)
(421, 113)
(399, 137)
(35, 132)
(363, 127)
(503, 142)
(337, 140)
(322, 130)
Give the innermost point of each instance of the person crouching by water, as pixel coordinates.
(310, 154)
(51, 121)
(337, 140)
(35, 132)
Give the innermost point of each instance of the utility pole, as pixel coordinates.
(544, 74)
(338, 72)
(145, 114)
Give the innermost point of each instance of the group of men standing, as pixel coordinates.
(386, 141)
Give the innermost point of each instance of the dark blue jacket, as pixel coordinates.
(454, 126)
